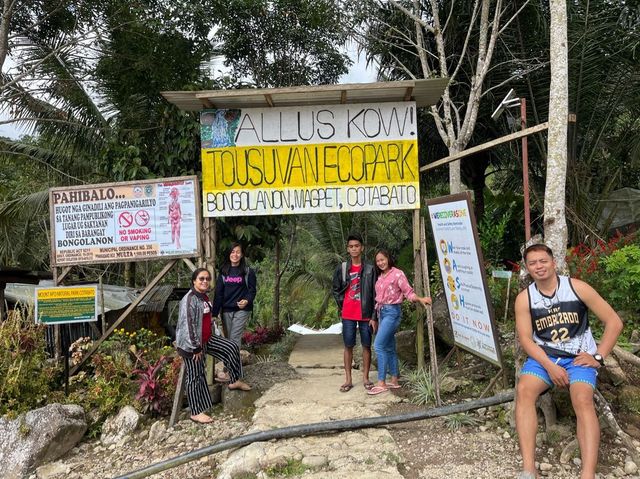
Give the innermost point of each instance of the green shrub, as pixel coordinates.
(116, 373)
(421, 386)
(282, 349)
(26, 374)
(622, 280)
(293, 467)
(492, 232)
(613, 269)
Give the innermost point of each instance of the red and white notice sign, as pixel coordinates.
(118, 222)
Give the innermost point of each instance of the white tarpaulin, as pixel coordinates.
(304, 330)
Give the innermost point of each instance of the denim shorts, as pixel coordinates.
(577, 374)
(349, 327)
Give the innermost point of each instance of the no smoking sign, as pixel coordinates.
(142, 218)
(125, 219)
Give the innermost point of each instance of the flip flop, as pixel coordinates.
(368, 385)
(376, 390)
(201, 422)
(346, 388)
(243, 387)
(393, 386)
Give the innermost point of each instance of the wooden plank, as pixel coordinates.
(65, 271)
(402, 84)
(424, 92)
(408, 93)
(124, 315)
(486, 146)
(178, 397)
(190, 264)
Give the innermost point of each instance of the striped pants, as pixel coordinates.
(196, 382)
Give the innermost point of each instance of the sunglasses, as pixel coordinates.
(204, 278)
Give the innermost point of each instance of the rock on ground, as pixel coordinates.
(39, 436)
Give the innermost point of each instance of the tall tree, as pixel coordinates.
(555, 223)
(455, 40)
(279, 43)
(86, 80)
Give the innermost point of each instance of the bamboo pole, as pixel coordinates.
(418, 284)
(486, 146)
(433, 356)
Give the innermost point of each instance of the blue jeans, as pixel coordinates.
(385, 343)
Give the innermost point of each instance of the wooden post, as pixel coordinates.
(178, 397)
(418, 285)
(103, 322)
(56, 327)
(2, 309)
(525, 169)
(433, 356)
(209, 239)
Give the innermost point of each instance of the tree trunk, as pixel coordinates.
(130, 275)
(455, 180)
(5, 20)
(555, 223)
(473, 171)
(276, 284)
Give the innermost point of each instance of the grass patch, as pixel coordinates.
(421, 387)
(293, 467)
(460, 420)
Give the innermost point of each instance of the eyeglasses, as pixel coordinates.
(203, 279)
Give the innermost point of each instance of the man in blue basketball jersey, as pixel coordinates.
(553, 328)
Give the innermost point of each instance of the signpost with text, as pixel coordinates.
(463, 276)
(128, 221)
(310, 159)
(63, 305)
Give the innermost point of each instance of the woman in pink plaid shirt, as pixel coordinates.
(392, 288)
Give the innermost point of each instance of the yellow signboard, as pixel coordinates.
(310, 159)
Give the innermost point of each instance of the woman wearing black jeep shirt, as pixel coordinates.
(235, 292)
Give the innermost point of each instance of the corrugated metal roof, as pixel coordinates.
(156, 299)
(423, 92)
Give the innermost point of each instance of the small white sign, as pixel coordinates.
(496, 273)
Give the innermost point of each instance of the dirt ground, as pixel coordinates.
(434, 449)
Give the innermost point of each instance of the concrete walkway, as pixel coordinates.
(315, 397)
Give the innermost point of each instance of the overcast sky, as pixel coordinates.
(358, 73)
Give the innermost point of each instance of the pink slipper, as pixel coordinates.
(376, 390)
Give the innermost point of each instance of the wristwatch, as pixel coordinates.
(598, 357)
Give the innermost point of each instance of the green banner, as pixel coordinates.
(66, 305)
